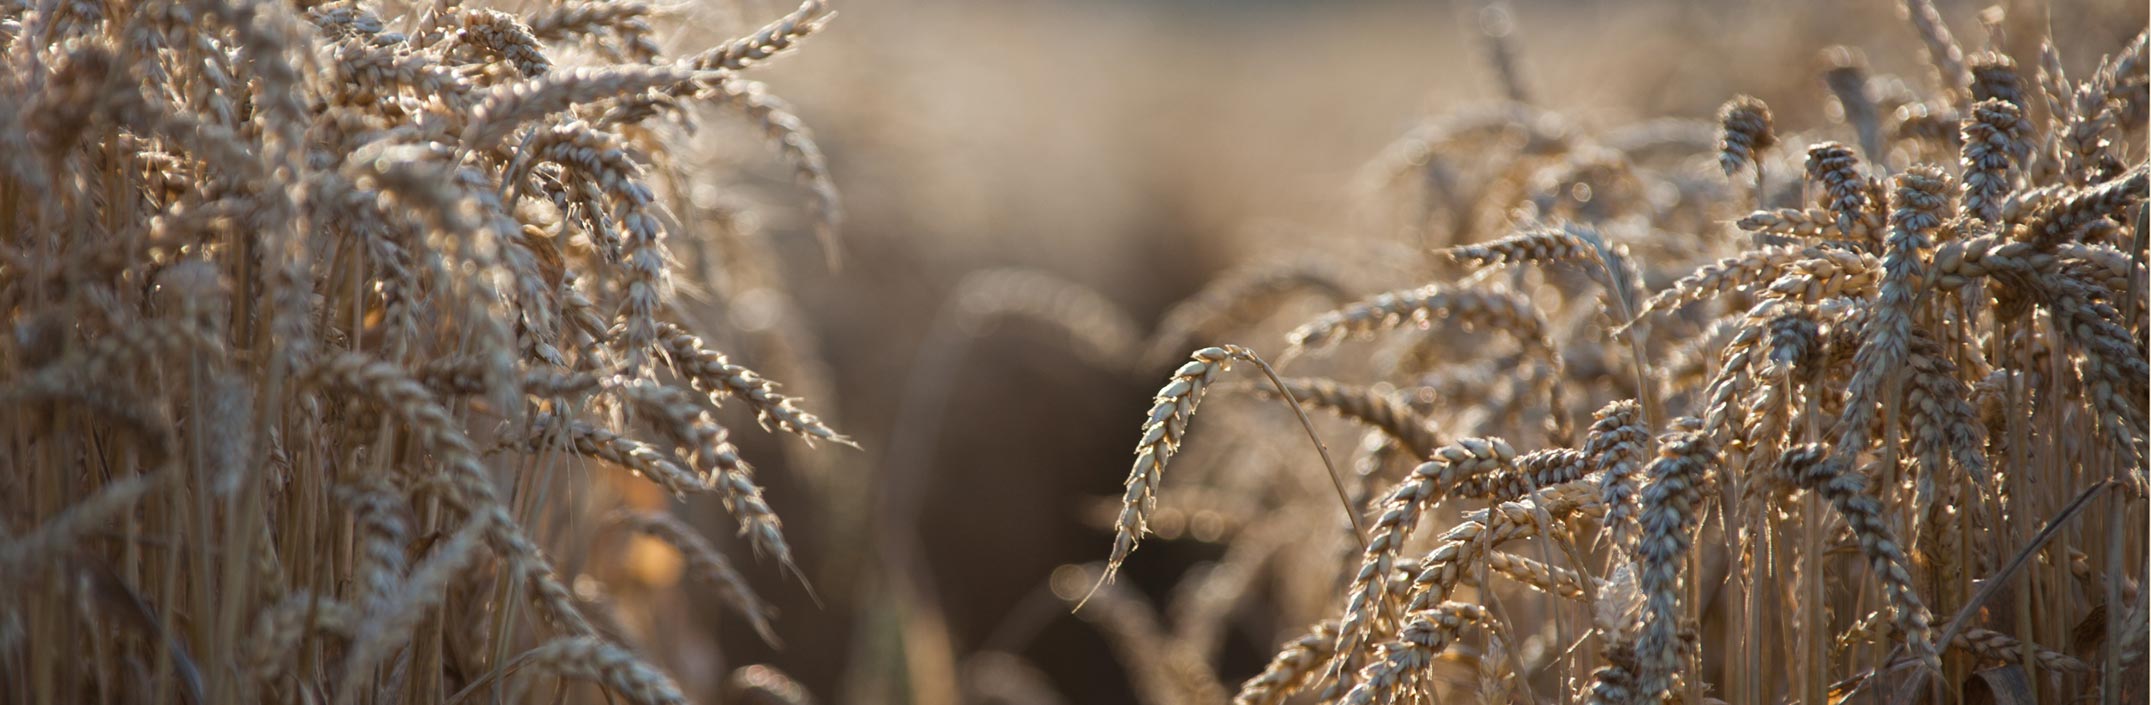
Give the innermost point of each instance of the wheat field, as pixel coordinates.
(376, 351)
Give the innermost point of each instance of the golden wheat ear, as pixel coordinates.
(1171, 409)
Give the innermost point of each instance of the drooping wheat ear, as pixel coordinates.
(598, 661)
(503, 35)
(1837, 170)
(1997, 139)
(1942, 52)
(1170, 410)
(1460, 548)
(2049, 217)
(783, 128)
(643, 459)
(1729, 275)
(1672, 505)
(1812, 467)
(469, 490)
(626, 22)
(1837, 274)
(764, 685)
(770, 40)
(367, 74)
(1616, 446)
(381, 533)
(1395, 671)
(1243, 297)
(1744, 132)
(1615, 682)
(603, 158)
(712, 373)
(1725, 408)
(1368, 405)
(1531, 471)
(1547, 245)
(1791, 352)
(707, 565)
(1847, 79)
(1536, 574)
(1793, 345)
(1448, 467)
(674, 413)
(1921, 205)
(1810, 223)
(281, 627)
(1296, 664)
(510, 106)
(2116, 373)
(1940, 418)
(1492, 308)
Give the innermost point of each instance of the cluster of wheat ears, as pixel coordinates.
(291, 288)
(323, 317)
(1702, 415)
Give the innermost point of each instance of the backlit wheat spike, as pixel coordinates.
(711, 372)
(1170, 411)
(504, 36)
(1370, 406)
(1815, 223)
(1996, 143)
(1920, 202)
(469, 490)
(1295, 665)
(1617, 445)
(1745, 130)
(643, 459)
(1812, 467)
(1672, 507)
(1727, 275)
(1837, 171)
(1394, 673)
(709, 450)
(1531, 471)
(770, 40)
(1615, 682)
(1496, 309)
(626, 23)
(508, 107)
(1549, 579)
(616, 669)
(1465, 460)
(1540, 245)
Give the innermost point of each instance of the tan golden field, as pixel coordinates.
(538, 351)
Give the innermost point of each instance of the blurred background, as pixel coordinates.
(1138, 149)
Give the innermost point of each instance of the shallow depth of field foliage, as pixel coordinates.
(375, 351)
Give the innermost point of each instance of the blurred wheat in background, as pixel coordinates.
(1649, 351)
